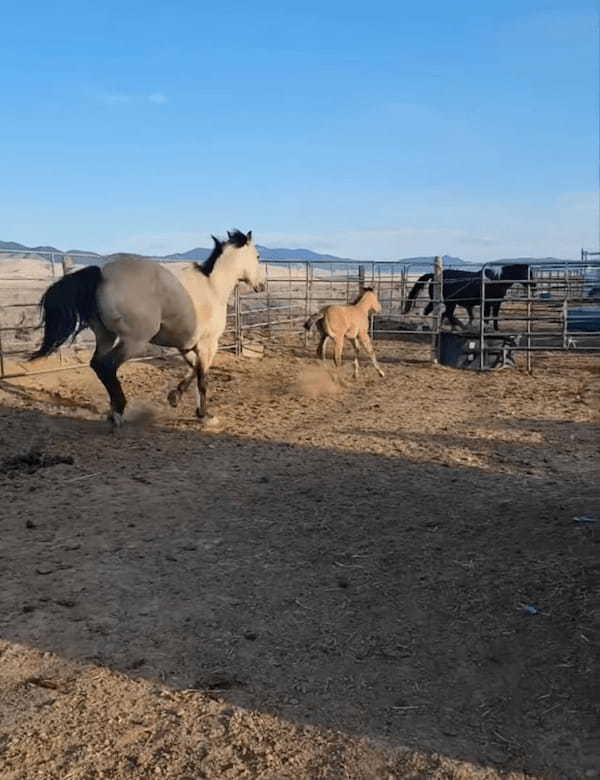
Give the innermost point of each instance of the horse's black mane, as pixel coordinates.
(235, 237)
(361, 293)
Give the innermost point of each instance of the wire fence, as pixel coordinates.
(555, 308)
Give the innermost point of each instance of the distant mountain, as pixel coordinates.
(199, 254)
(13, 246)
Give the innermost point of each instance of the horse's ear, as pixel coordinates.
(217, 241)
(229, 234)
(249, 236)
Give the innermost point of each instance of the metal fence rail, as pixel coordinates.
(558, 310)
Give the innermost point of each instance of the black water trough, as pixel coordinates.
(585, 318)
(461, 350)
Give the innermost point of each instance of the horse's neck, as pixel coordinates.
(224, 277)
(363, 305)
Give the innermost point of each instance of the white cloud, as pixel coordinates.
(115, 98)
(158, 98)
(477, 231)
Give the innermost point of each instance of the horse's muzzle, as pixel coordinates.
(260, 287)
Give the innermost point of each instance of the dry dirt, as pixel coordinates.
(333, 586)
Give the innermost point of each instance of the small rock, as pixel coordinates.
(30, 524)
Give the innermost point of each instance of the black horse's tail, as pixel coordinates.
(68, 306)
(419, 284)
(313, 319)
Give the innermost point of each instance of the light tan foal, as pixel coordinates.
(347, 322)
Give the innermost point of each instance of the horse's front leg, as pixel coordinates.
(174, 396)
(496, 310)
(365, 340)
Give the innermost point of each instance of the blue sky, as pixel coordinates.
(372, 130)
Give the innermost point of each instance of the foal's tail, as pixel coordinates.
(313, 319)
(419, 284)
(68, 306)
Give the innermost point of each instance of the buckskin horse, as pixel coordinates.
(132, 301)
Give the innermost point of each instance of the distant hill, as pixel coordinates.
(199, 254)
(14, 246)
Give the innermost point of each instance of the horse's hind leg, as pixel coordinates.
(174, 395)
(105, 367)
(106, 364)
(205, 355)
(368, 347)
(338, 351)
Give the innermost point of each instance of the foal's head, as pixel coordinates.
(368, 299)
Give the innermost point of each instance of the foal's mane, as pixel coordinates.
(361, 295)
(234, 238)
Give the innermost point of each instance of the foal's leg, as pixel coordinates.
(364, 339)
(356, 354)
(338, 350)
(174, 396)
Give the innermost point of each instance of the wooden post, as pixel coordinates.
(436, 314)
(361, 278)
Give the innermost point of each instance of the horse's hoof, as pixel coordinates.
(209, 421)
(116, 419)
(173, 398)
(381, 374)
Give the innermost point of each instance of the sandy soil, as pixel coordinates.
(334, 585)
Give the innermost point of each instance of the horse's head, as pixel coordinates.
(248, 260)
(520, 273)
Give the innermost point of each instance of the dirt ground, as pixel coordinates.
(374, 579)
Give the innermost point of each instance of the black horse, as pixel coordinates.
(464, 288)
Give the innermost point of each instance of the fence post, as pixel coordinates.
(361, 278)
(438, 299)
(482, 321)
(2, 372)
(67, 264)
(307, 298)
(238, 322)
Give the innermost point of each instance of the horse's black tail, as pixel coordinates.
(68, 306)
(419, 284)
(314, 318)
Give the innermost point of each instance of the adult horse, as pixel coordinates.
(131, 302)
(464, 288)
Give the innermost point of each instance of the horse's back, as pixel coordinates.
(344, 321)
(138, 295)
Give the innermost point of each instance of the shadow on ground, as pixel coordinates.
(368, 594)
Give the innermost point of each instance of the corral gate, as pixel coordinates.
(562, 312)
